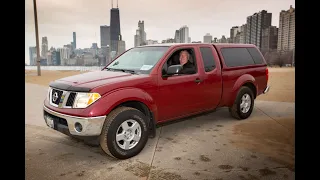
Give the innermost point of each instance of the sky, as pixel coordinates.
(59, 18)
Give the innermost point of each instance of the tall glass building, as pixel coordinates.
(114, 28)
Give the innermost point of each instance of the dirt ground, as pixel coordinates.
(47, 76)
(282, 81)
(275, 139)
(282, 85)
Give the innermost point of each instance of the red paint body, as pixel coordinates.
(173, 97)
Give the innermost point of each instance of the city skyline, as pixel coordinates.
(64, 19)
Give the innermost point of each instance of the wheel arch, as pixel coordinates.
(244, 80)
(136, 104)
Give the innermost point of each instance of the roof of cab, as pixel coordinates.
(218, 45)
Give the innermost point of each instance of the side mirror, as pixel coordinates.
(174, 69)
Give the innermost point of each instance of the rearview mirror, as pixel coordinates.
(174, 69)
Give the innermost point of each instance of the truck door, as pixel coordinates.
(212, 78)
(179, 95)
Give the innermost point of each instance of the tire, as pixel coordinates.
(236, 111)
(114, 124)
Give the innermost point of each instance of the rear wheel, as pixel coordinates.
(243, 104)
(124, 133)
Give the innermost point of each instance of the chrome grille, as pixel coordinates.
(71, 99)
(62, 99)
(56, 96)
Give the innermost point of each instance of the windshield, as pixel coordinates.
(139, 60)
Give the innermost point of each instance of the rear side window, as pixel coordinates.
(207, 58)
(256, 55)
(234, 57)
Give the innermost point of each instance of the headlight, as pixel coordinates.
(83, 100)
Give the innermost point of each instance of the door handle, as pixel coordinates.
(197, 80)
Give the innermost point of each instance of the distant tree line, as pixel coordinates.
(275, 58)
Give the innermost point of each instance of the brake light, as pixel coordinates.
(267, 74)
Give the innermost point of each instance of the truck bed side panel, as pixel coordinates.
(232, 77)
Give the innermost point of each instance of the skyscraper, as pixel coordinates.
(32, 55)
(140, 37)
(104, 35)
(233, 33)
(121, 46)
(114, 27)
(177, 36)
(56, 57)
(49, 58)
(207, 38)
(269, 39)
(137, 39)
(286, 36)
(106, 55)
(142, 32)
(243, 34)
(74, 44)
(44, 47)
(184, 34)
(65, 53)
(105, 43)
(255, 24)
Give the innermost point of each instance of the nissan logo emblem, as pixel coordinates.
(55, 97)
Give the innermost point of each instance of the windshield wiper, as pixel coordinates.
(122, 70)
(108, 69)
(129, 71)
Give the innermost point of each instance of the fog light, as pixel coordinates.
(78, 127)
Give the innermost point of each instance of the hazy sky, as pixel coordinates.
(59, 18)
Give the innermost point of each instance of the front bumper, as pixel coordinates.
(91, 126)
(266, 90)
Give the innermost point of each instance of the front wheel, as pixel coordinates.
(124, 133)
(243, 104)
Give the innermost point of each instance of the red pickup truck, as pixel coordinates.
(121, 105)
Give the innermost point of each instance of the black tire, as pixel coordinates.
(112, 123)
(235, 110)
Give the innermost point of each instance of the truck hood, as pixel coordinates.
(87, 81)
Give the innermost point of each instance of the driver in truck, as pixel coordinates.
(187, 66)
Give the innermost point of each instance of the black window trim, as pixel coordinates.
(215, 64)
(262, 62)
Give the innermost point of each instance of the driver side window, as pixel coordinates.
(188, 67)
